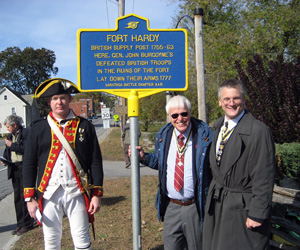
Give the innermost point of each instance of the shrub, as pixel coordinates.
(273, 95)
(288, 160)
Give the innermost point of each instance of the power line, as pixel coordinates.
(114, 2)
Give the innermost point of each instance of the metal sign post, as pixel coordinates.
(135, 184)
(105, 114)
(133, 61)
(200, 64)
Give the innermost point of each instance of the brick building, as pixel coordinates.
(83, 107)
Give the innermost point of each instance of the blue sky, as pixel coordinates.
(53, 24)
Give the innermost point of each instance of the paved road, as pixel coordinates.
(112, 170)
(5, 185)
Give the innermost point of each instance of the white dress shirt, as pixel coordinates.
(231, 124)
(187, 192)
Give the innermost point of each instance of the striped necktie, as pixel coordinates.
(179, 166)
(222, 143)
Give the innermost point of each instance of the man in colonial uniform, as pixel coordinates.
(54, 182)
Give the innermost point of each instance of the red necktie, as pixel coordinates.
(179, 166)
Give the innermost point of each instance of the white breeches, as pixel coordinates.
(75, 209)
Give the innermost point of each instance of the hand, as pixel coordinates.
(32, 206)
(95, 205)
(252, 223)
(3, 163)
(8, 143)
(141, 152)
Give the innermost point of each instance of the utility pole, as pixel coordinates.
(200, 63)
(121, 8)
(168, 97)
(199, 56)
(122, 101)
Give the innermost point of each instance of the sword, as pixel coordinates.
(93, 229)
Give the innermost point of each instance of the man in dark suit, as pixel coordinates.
(13, 153)
(181, 198)
(242, 161)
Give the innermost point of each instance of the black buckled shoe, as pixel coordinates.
(16, 231)
(23, 230)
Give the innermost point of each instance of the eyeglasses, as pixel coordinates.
(227, 100)
(183, 114)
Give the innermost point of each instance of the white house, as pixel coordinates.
(11, 102)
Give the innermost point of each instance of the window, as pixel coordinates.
(13, 111)
(5, 97)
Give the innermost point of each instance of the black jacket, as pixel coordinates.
(17, 147)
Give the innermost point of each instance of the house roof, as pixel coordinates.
(23, 98)
(28, 98)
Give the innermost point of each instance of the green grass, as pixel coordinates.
(111, 148)
(113, 224)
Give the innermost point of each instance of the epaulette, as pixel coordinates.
(38, 120)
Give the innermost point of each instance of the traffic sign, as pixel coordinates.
(132, 57)
(116, 117)
(105, 113)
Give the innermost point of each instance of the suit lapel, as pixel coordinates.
(234, 146)
(231, 153)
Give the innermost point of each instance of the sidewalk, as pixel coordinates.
(112, 170)
(7, 222)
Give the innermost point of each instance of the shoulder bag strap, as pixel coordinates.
(65, 143)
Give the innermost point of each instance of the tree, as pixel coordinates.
(273, 95)
(24, 71)
(271, 28)
(237, 30)
(152, 109)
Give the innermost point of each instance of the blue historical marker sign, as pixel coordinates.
(132, 57)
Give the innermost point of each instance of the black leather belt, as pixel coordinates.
(183, 203)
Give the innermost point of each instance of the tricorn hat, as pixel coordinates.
(55, 86)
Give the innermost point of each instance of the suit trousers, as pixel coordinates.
(23, 218)
(126, 157)
(75, 209)
(182, 228)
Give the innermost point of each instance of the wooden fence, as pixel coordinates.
(289, 198)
